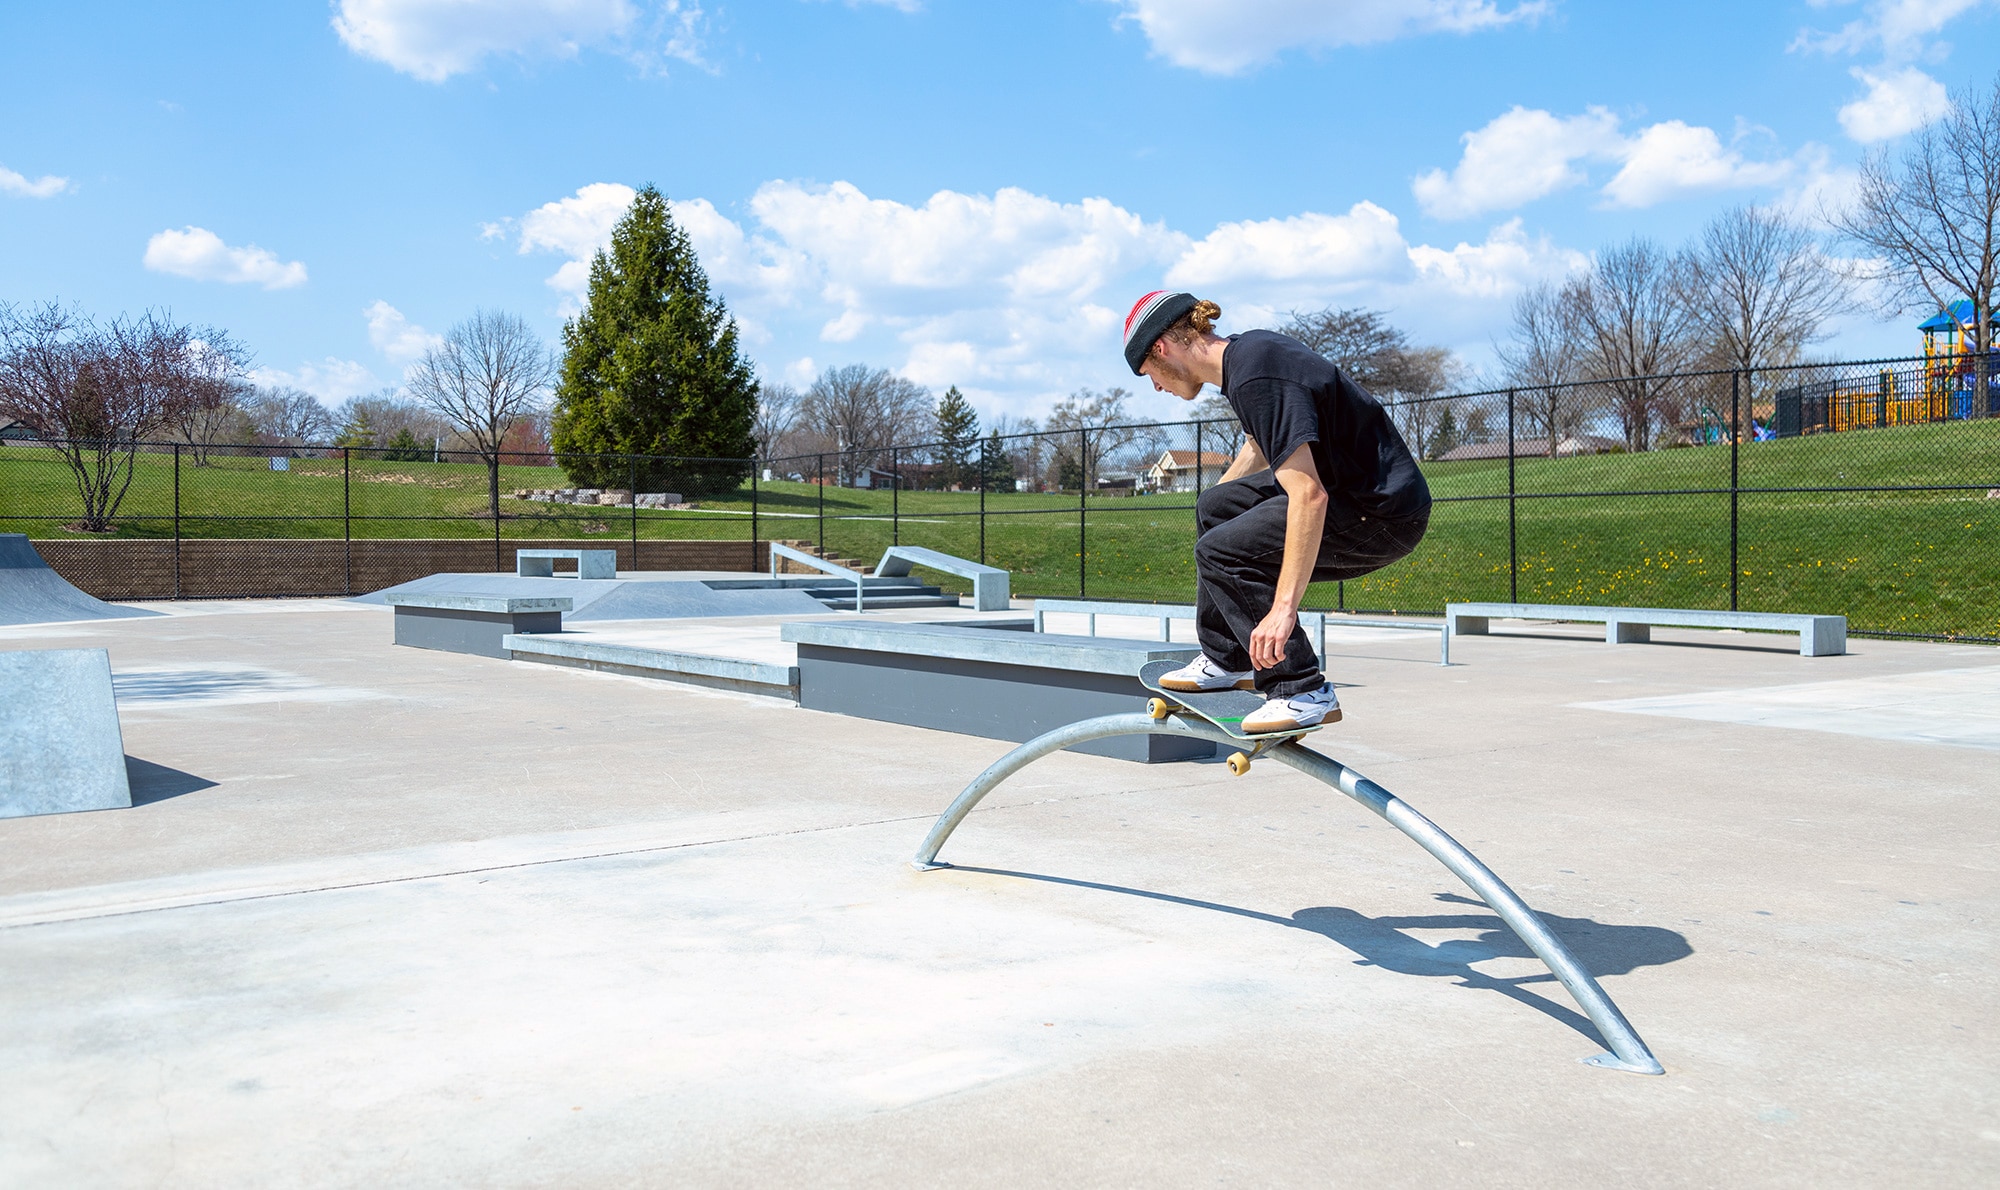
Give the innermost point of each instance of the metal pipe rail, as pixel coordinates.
(1628, 1052)
(1165, 612)
(780, 550)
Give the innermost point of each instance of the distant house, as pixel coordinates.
(1184, 471)
(1533, 448)
(13, 429)
(1117, 483)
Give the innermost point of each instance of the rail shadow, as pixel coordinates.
(1604, 949)
(156, 782)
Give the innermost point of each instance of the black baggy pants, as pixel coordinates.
(1241, 548)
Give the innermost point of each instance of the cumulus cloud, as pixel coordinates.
(200, 255)
(396, 336)
(332, 380)
(1196, 35)
(1897, 101)
(1525, 154)
(1363, 244)
(1520, 156)
(433, 40)
(22, 186)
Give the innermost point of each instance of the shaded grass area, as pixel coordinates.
(1923, 562)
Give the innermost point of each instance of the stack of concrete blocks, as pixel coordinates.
(610, 497)
(60, 746)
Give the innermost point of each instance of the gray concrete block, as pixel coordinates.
(459, 630)
(61, 749)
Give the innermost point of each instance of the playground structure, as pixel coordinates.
(1941, 389)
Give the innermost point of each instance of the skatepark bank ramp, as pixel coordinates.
(31, 593)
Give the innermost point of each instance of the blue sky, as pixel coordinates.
(970, 193)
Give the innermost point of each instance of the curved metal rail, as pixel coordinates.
(1628, 1052)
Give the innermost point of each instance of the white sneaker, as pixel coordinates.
(1202, 674)
(1309, 709)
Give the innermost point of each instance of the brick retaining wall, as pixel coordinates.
(223, 568)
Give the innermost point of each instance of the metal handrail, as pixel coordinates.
(1164, 612)
(780, 550)
(1628, 1052)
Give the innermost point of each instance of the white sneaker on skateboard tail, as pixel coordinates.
(1202, 674)
(1309, 709)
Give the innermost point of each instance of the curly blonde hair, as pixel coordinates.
(1198, 321)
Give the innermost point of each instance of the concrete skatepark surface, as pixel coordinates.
(31, 593)
(390, 916)
(620, 598)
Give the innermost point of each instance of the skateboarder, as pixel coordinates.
(1323, 489)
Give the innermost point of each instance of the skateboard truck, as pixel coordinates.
(1238, 762)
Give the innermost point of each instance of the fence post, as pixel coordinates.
(497, 568)
(754, 528)
(177, 520)
(819, 465)
(632, 480)
(1082, 513)
(1513, 544)
(895, 496)
(346, 519)
(985, 469)
(1735, 442)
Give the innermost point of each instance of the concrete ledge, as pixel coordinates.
(465, 622)
(501, 605)
(1003, 642)
(591, 564)
(695, 669)
(1819, 636)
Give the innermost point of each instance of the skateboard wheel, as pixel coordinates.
(1239, 764)
(1159, 708)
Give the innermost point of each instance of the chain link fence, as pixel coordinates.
(1865, 489)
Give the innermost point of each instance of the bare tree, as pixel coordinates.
(1761, 290)
(777, 413)
(1932, 220)
(1632, 307)
(861, 412)
(490, 371)
(1545, 351)
(1089, 426)
(399, 425)
(291, 418)
(1359, 341)
(96, 393)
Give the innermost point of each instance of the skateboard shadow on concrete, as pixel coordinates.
(1388, 942)
(156, 782)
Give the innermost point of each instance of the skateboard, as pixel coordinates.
(1223, 708)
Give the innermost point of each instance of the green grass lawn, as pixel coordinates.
(1926, 562)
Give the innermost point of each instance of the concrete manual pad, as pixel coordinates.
(1960, 707)
(513, 925)
(60, 746)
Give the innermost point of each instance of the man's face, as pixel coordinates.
(1169, 372)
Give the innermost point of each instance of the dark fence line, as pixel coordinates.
(1784, 472)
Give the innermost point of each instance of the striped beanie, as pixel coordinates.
(1150, 317)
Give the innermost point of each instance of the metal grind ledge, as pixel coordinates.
(1628, 1052)
(694, 669)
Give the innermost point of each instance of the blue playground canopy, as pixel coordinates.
(1955, 317)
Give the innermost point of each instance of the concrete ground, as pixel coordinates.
(387, 916)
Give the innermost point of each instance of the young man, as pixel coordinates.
(1323, 489)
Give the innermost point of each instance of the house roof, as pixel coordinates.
(1185, 458)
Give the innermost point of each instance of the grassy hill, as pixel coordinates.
(1596, 529)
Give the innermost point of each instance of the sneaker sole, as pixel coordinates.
(1195, 688)
(1332, 716)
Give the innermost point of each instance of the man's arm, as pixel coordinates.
(1305, 520)
(1249, 461)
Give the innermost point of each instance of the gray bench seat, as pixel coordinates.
(1000, 681)
(989, 583)
(1819, 636)
(465, 622)
(589, 563)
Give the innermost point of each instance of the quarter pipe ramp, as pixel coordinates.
(31, 593)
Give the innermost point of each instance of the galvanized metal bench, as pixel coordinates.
(465, 623)
(589, 563)
(1819, 636)
(989, 583)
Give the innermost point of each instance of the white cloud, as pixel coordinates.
(396, 336)
(1365, 243)
(1197, 35)
(21, 186)
(1520, 156)
(1496, 270)
(1525, 154)
(331, 380)
(432, 40)
(1900, 29)
(200, 254)
(1898, 101)
(1671, 159)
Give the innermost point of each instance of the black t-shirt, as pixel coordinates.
(1286, 394)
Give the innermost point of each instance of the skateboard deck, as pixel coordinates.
(1224, 708)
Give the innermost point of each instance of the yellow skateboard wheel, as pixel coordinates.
(1159, 708)
(1239, 764)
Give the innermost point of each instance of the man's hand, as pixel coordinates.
(1267, 641)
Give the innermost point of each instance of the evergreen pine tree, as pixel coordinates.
(651, 367)
(998, 468)
(958, 436)
(1446, 436)
(404, 448)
